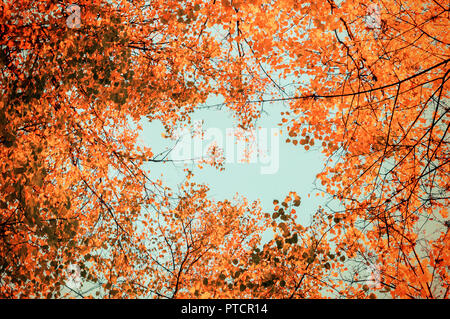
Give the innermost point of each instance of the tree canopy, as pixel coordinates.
(75, 185)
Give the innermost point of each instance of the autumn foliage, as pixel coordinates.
(75, 185)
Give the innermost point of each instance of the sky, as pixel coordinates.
(296, 169)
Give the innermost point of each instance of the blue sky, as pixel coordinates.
(296, 172)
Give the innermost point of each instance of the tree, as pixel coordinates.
(383, 118)
(74, 181)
